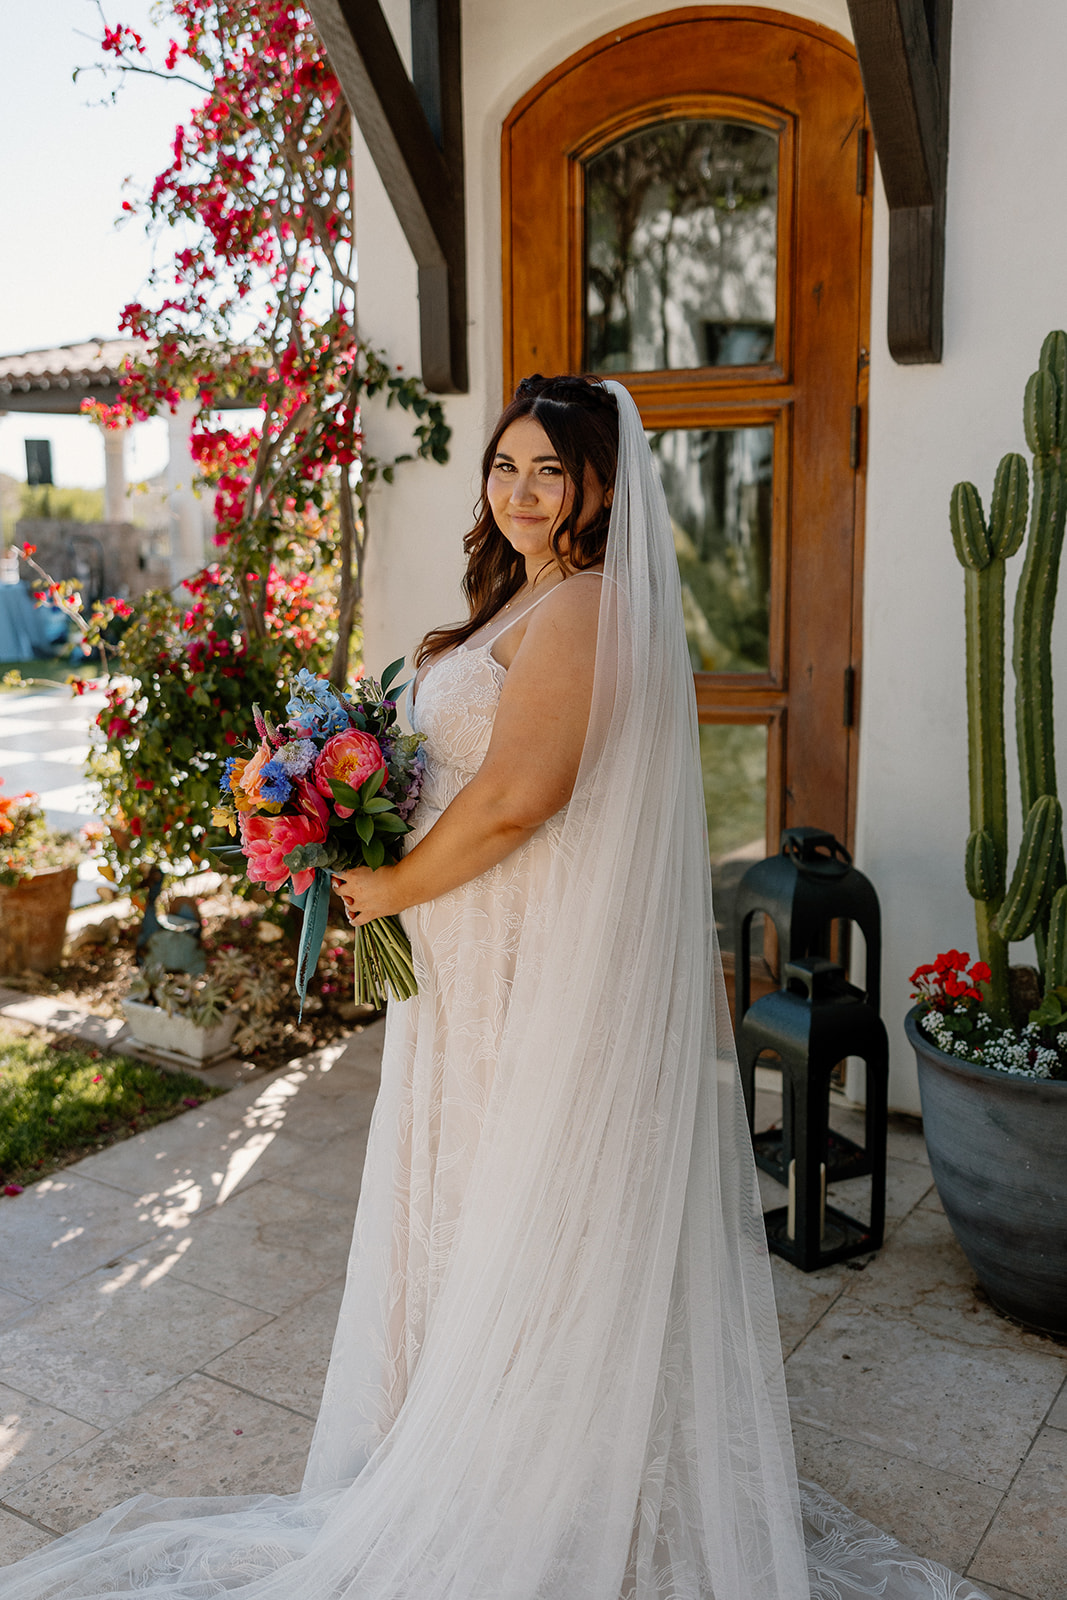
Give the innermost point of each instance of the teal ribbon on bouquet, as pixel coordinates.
(315, 904)
(383, 949)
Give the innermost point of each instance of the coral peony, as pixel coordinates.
(266, 840)
(350, 758)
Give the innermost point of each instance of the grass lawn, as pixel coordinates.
(58, 1103)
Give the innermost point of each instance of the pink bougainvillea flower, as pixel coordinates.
(350, 758)
(12, 1188)
(266, 840)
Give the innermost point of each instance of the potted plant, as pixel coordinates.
(991, 1040)
(38, 870)
(181, 1014)
(195, 1017)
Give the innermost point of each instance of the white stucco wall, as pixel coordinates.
(1006, 286)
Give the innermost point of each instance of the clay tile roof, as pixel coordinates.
(59, 379)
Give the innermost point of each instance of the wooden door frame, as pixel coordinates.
(768, 700)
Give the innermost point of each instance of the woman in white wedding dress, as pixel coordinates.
(556, 1374)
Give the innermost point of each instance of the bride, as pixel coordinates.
(556, 1373)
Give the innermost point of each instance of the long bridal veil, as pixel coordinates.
(598, 1407)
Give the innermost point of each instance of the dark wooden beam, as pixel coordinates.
(415, 136)
(904, 49)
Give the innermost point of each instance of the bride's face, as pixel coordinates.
(528, 491)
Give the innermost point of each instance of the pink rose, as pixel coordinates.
(350, 758)
(265, 840)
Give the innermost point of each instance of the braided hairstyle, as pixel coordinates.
(581, 419)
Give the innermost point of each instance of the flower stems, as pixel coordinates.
(383, 962)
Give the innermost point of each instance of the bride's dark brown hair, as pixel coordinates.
(581, 419)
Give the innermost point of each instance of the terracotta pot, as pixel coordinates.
(998, 1150)
(33, 920)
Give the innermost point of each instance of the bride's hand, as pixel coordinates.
(366, 894)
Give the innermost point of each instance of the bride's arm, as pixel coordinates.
(528, 772)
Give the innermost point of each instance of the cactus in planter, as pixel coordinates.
(1039, 871)
(1036, 899)
(983, 550)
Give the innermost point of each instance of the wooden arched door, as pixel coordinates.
(685, 208)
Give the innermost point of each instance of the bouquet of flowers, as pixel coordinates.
(331, 788)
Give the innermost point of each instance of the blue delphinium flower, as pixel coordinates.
(227, 770)
(315, 707)
(274, 782)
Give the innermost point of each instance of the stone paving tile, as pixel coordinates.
(1025, 1550)
(33, 1436)
(18, 1538)
(287, 1244)
(904, 1141)
(12, 1306)
(334, 1170)
(286, 1360)
(350, 1066)
(922, 1274)
(60, 1016)
(65, 1226)
(108, 1344)
(883, 1381)
(1057, 1417)
(993, 1593)
(936, 1514)
(906, 1183)
(803, 1297)
(204, 1156)
(303, 1106)
(204, 1438)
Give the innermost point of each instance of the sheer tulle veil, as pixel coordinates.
(598, 1411)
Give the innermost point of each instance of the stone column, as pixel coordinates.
(187, 544)
(115, 508)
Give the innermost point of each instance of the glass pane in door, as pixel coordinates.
(681, 224)
(733, 759)
(718, 485)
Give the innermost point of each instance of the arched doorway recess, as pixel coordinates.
(686, 208)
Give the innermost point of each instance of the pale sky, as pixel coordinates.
(66, 270)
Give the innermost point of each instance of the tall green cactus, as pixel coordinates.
(1039, 871)
(983, 550)
(1036, 899)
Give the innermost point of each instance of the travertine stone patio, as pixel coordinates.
(167, 1308)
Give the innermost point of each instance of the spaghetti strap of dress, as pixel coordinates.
(487, 643)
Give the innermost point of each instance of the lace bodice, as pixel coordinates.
(454, 711)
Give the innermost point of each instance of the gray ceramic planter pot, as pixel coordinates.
(998, 1149)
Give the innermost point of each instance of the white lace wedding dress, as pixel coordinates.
(556, 1374)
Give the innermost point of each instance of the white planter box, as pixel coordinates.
(177, 1038)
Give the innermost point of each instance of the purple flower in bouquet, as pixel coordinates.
(297, 757)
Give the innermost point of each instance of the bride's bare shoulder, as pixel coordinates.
(577, 597)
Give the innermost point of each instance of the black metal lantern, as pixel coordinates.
(813, 1021)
